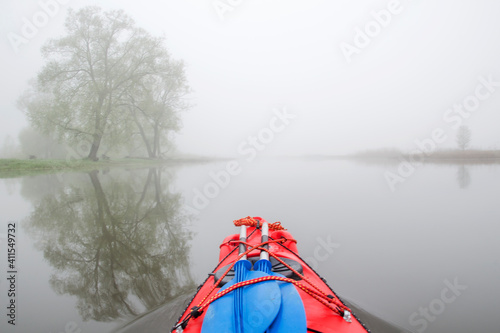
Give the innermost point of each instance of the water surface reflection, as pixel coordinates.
(116, 242)
(103, 248)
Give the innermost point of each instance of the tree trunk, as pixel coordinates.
(98, 127)
(95, 147)
(156, 139)
(142, 133)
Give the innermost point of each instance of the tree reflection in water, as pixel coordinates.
(463, 176)
(119, 245)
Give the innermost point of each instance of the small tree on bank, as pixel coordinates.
(463, 137)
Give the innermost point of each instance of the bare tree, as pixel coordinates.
(463, 137)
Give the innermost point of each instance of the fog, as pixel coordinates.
(394, 79)
(246, 61)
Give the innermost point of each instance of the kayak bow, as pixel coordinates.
(262, 285)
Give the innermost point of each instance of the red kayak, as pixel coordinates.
(261, 284)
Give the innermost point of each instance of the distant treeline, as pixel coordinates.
(441, 154)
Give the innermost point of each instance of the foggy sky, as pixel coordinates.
(287, 53)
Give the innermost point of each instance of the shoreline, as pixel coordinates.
(459, 157)
(13, 168)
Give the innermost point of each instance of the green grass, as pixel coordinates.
(10, 168)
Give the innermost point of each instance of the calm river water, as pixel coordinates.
(95, 250)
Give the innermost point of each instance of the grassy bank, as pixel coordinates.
(17, 168)
(10, 168)
(459, 157)
(471, 156)
(464, 154)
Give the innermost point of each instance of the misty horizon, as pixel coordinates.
(244, 63)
